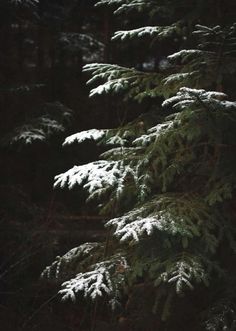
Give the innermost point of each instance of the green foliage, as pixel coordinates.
(170, 215)
(76, 43)
(167, 185)
(77, 259)
(160, 32)
(54, 120)
(214, 58)
(135, 84)
(182, 273)
(151, 7)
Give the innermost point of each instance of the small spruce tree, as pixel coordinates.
(167, 178)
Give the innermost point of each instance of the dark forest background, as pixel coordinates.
(43, 99)
(43, 48)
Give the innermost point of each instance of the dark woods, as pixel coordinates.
(44, 46)
(43, 98)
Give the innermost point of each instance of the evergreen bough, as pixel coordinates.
(169, 179)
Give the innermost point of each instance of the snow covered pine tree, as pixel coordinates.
(170, 181)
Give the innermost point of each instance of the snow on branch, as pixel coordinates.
(213, 57)
(187, 97)
(69, 262)
(107, 71)
(136, 229)
(54, 120)
(153, 133)
(109, 2)
(185, 54)
(127, 5)
(183, 272)
(92, 134)
(180, 77)
(105, 278)
(117, 77)
(159, 31)
(98, 178)
(133, 226)
(40, 129)
(92, 284)
(73, 42)
(206, 31)
(96, 175)
(152, 216)
(175, 216)
(136, 84)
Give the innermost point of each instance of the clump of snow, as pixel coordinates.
(114, 85)
(39, 130)
(184, 53)
(182, 272)
(140, 32)
(92, 134)
(160, 31)
(179, 77)
(93, 284)
(153, 133)
(96, 175)
(145, 220)
(105, 278)
(55, 269)
(187, 97)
